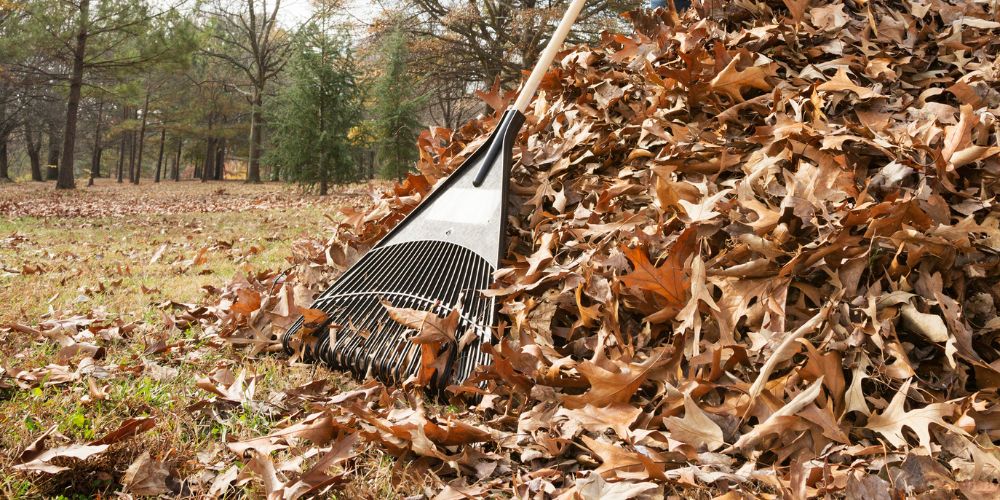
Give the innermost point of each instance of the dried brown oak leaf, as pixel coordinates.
(36, 457)
(695, 428)
(147, 477)
(247, 301)
(733, 82)
(612, 381)
(317, 428)
(433, 332)
(670, 280)
(890, 422)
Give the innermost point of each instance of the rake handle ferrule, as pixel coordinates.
(545, 60)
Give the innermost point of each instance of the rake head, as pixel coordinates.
(358, 334)
(444, 252)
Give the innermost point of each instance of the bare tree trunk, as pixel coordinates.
(220, 160)
(34, 146)
(253, 170)
(142, 139)
(4, 165)
(121, 160)
(177, 160)
(254, 46)
(208, 169)
(4, 136)
(131, 156)
(159, 159)
(323, 183)
(121, 150)
(66, 176)
(95, 160)
(51, 169)
(35, 159)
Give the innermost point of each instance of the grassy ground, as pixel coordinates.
(119, 251)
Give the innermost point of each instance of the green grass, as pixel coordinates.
(78, 256)
(117, 254)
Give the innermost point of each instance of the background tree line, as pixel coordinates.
(143, 89)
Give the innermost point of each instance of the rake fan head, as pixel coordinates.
(358, 335)
(446, 249)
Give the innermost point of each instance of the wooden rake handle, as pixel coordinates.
(545, 60)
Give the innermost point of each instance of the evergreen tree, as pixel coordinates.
(315, 112)
(396, 110)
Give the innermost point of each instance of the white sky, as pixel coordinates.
(294, 12)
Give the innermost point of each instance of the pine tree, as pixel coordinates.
(315, 112)
(396, 110)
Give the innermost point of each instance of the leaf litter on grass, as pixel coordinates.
(751, 251)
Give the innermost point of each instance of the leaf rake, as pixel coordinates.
(437, 260)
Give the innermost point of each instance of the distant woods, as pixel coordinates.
(151, 91)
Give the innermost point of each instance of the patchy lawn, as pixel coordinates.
(109, 259)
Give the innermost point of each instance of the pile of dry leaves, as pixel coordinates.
(756, 250)
(752, 250)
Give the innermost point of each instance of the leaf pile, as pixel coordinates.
(757, 249)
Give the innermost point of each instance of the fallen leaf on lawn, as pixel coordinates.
(147, 477)
(317, 428)
(247, 301)
(37, 457)
(130, 427)
(318, 477)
